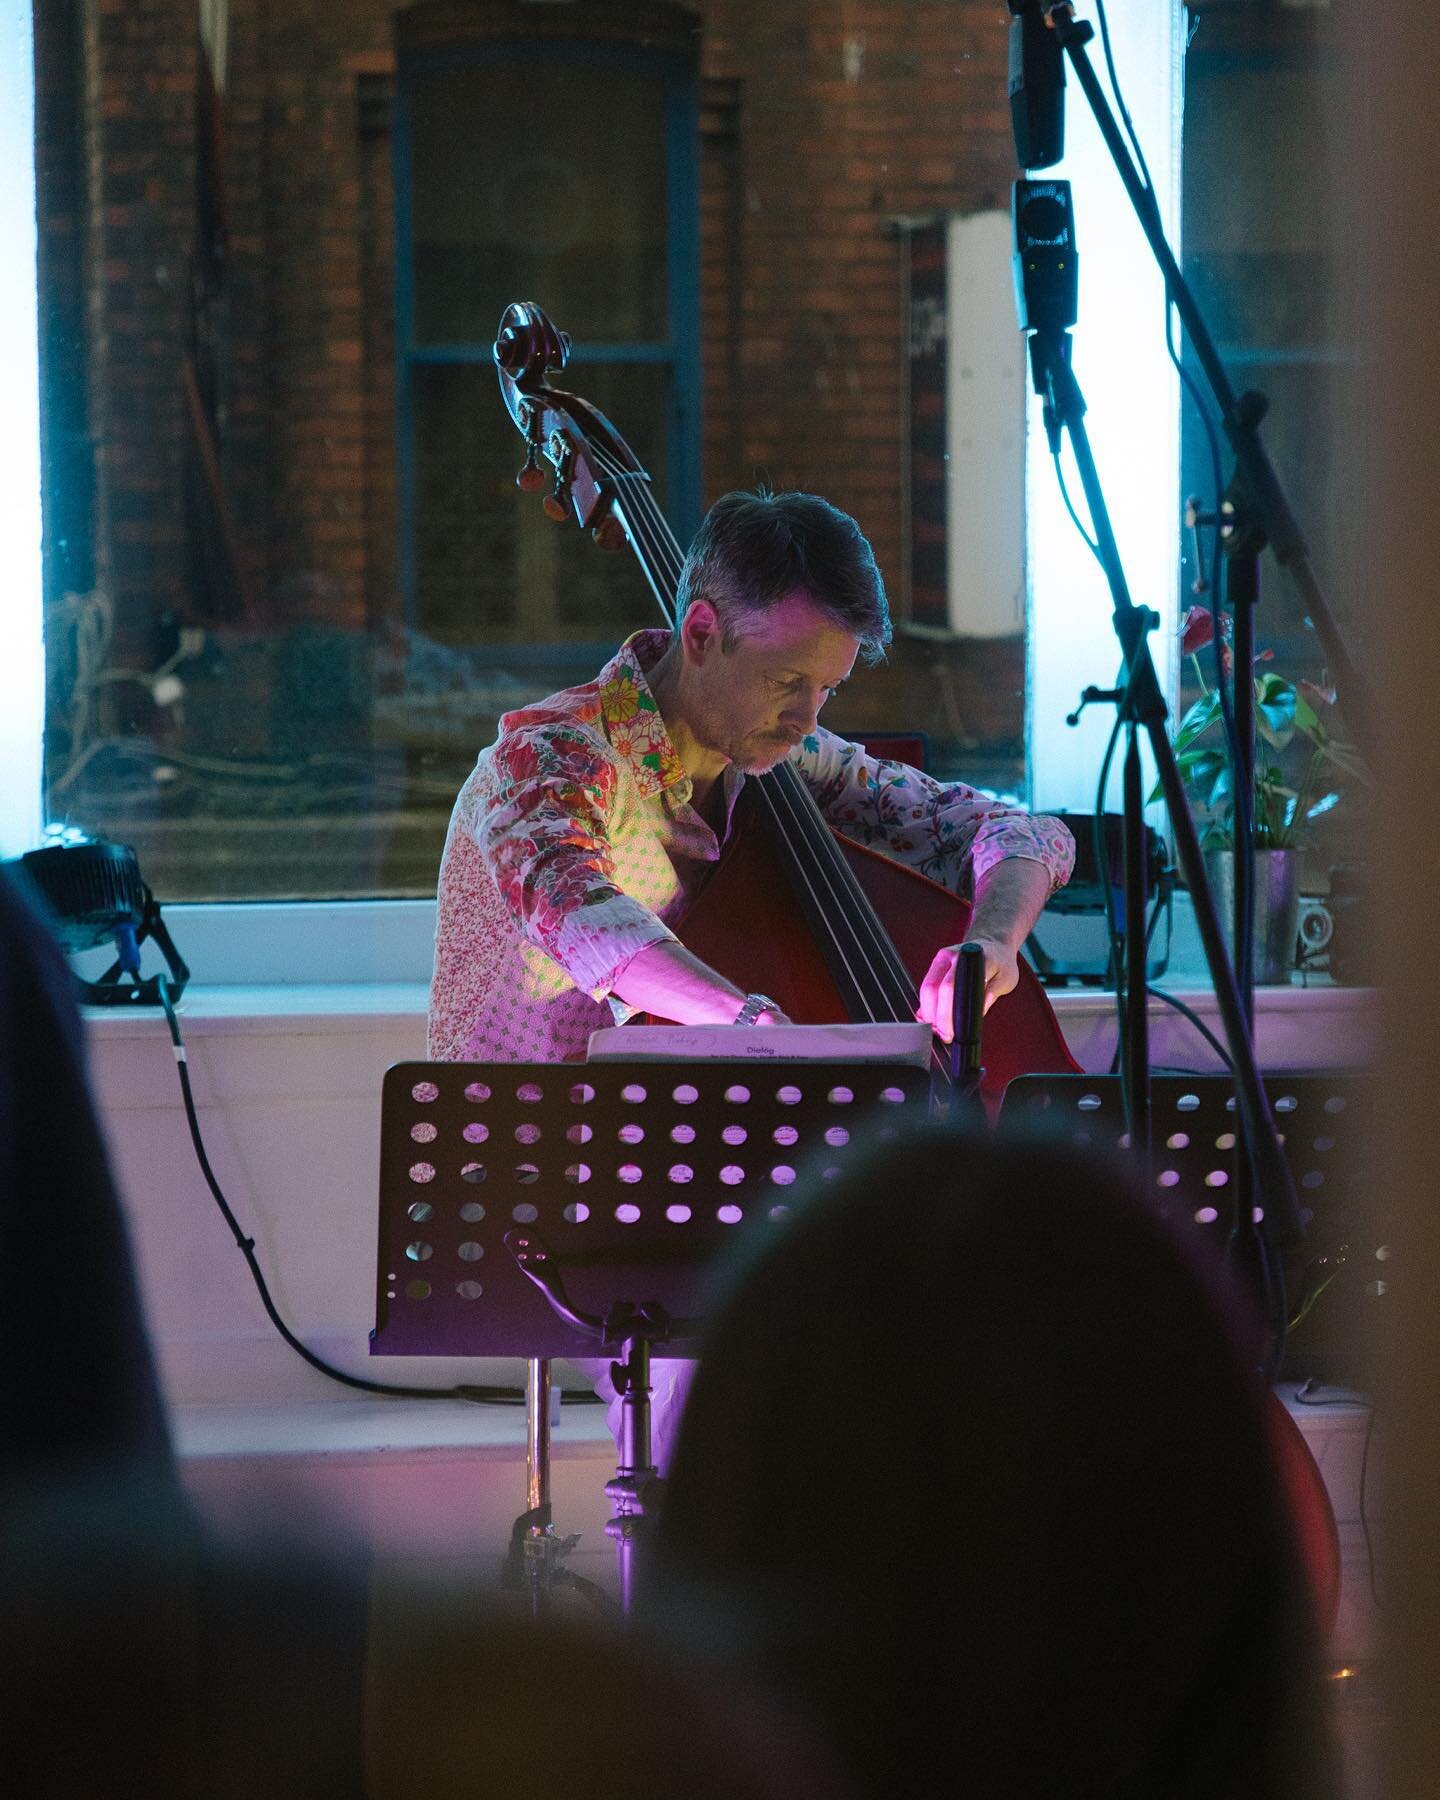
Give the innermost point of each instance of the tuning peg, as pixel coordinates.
(609, 534)
(557, 504)
(532, 477)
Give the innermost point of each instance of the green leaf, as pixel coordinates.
(1201, 716)
(1275, 702)
(1221, 787)
(1308, 720)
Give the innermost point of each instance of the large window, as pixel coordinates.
(290, 582)
(490, 211)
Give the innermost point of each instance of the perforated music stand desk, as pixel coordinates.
(1325, 1119)
(637, 1175)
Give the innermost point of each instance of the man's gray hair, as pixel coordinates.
(753, 550)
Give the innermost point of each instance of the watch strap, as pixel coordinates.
(755, 1004)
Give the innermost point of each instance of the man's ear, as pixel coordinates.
(701, 632)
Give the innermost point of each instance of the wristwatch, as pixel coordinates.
(755, 1004)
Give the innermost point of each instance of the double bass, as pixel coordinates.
(832, 931)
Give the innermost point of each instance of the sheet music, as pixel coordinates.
(900, 1043)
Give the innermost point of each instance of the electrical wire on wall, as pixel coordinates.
(480, 1394)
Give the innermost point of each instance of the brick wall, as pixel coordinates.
(849, 116)
(819, 123)
(138, 153)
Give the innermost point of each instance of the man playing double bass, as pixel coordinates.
(586, 829)
(588, 826)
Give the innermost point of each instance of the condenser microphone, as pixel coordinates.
(1037, 87)
(1045, 262)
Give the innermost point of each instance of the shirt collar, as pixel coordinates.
(632, 719)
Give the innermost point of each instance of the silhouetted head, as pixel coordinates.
(976, 1468)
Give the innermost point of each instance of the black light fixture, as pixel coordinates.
(94, 894)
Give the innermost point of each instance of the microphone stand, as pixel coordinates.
(1142, 707)
(1256, 512)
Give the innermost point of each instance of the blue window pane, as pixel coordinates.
(501, 211)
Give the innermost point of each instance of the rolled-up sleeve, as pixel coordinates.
(544, 837)
(950, 832)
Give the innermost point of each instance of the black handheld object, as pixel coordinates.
(1037, 87)
(967, 1018)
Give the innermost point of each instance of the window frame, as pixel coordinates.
(678, 351)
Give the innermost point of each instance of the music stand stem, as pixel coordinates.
(536, 1548)
(636, 1329)
(629, 1529)
(537, 1432)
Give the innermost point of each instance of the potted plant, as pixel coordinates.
(1296, 758)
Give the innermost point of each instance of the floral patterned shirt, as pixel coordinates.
(573, 845)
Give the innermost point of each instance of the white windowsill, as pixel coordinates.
(276, 945)
(363, 966)
(1295, 1027)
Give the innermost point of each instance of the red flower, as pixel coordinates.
(1197, 628)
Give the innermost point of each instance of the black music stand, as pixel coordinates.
(633, 1179)
(1323, 1117)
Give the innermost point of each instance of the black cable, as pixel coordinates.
(1163, 903)
(1124, 111)
(1195, 1019)
(1101, 851)
(1090, 543)
(480, 1395)
(1156, 910)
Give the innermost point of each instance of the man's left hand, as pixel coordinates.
(937, 991)
(1008, 900)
